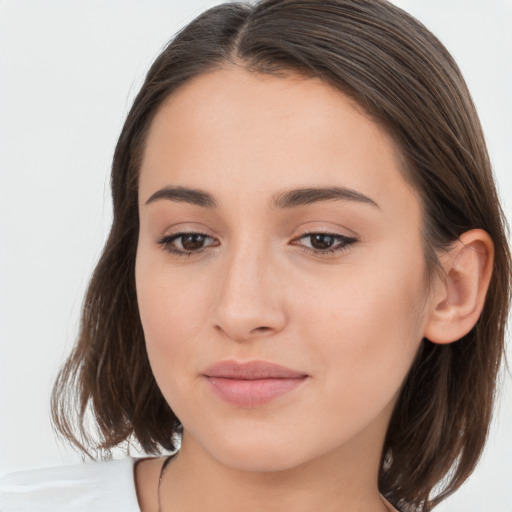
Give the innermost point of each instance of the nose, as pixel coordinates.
(250, 302)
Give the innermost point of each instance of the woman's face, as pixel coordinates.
(297, 244)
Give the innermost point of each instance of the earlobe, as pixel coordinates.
(459, 295)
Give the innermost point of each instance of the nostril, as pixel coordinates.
(264, 329)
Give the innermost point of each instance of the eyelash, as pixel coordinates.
(166, 243)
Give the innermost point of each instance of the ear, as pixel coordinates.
(459, 295)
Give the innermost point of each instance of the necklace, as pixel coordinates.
(164, 465)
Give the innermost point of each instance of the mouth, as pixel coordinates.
(253, 383)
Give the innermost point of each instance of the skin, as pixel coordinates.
(352, 320)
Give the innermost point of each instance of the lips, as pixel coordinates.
(251, 370)
(253, 383)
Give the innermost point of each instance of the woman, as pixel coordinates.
(306, 281)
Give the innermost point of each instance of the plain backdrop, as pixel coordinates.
(69, 70)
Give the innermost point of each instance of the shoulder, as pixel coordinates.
(106, 486)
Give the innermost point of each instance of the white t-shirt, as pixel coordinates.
(90, 487)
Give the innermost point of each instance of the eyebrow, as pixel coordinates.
(283, 200)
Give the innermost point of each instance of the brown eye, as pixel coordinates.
(325, 243)
(321, 241)
(186, 244)
(192, 241)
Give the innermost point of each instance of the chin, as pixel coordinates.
(242, 451)
(258, 453)
(259, 461)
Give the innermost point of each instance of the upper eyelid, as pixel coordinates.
(175, 236)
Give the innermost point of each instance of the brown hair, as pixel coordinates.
(405, 79)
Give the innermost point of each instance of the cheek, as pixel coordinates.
(170, 312)
(365, 331)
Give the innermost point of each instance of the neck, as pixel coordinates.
(344, 479)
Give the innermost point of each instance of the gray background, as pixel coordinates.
(69, 70)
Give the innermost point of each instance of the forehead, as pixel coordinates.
(244, 136)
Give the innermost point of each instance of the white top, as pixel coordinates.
(91, 487)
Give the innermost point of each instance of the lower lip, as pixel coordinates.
(251, 393)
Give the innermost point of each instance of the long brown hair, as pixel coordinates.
(405, 79)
